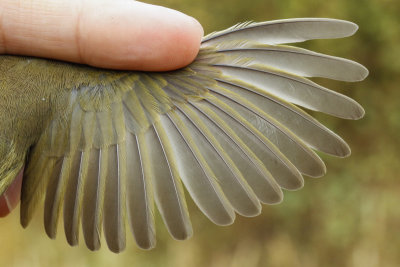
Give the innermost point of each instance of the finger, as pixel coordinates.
(117, 34)
(10, 198)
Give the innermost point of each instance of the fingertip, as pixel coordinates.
(4, 207)
(10, 199)
(186, 44)
(140, 36)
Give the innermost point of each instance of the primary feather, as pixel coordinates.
(112, 145)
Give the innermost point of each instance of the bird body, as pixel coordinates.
(107, 146)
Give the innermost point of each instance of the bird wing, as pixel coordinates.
(227, 127)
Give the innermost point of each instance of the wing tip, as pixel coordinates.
(364, 72)
(93, 246)
(182, 235)
(361, 112)
(223, 219)
(252, 211)
(147, 245)
(347, 154)
(273, 199)
(355, 73)
(51, 231)
(340, 28)
(293, 183)
(352, 27)
(120, 247)
(72, 240)
(24, 219)
(276, 201)
(345, 27)
(297, 184)
(360, 74)
(344, 151)
(92, 241)
(318, 173)
(358, 112)
(353, 112)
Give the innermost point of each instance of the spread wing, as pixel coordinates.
(227, 127)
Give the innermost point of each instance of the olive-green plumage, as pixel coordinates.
(106, 145)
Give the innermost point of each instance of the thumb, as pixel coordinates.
(117, 34)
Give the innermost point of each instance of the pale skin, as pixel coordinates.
(116, 34)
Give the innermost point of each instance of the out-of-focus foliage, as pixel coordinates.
(351, 217)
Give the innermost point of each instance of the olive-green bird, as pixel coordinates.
(106, 146)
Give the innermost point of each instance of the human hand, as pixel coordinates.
(120, 34)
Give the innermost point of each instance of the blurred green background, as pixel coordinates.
(351, 217)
